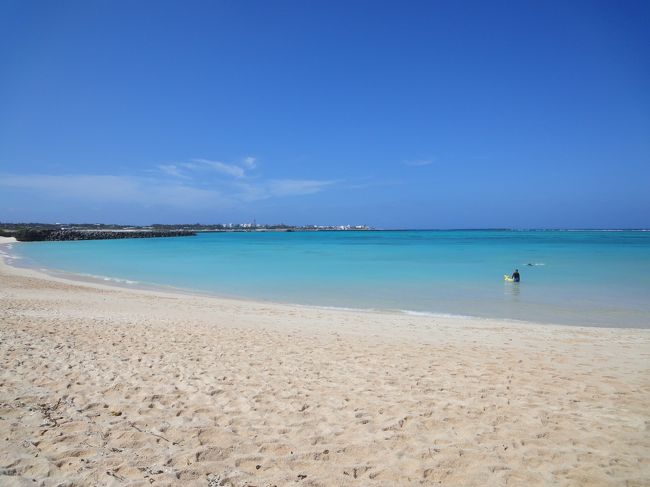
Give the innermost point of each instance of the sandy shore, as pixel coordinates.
(106, 386)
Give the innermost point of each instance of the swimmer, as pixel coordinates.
(515, 275)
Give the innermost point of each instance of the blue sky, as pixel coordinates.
(393, 114)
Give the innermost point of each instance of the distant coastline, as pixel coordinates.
(32, 232)
(8, 226)
(35, 232)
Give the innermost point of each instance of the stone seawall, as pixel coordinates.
(37, 235)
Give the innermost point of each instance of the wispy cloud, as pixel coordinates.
(249, 162)
(417, 162)
(277, 188)
(295, 187)
(172, 170)
(218, 166)
(199, 167)
(169, 185)
(116, 189)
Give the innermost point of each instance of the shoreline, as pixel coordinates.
(137, 286)
(108, 284)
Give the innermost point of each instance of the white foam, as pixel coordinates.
(435, 315)
(9, 256)
(342, 308)
(115, 279)
(108, 279)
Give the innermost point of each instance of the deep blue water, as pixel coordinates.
(577, 277)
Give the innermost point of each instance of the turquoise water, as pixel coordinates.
(586, 277)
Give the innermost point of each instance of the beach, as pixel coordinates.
(101, 385)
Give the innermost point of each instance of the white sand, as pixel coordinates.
(105, 386)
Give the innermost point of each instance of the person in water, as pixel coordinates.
(515, 275)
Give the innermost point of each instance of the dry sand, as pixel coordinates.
(106, 386)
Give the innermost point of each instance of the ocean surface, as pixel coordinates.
(599, 278)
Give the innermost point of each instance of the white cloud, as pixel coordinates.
(160, 191)
(172, 170)
(221, 167)
(116, 189)
(293, 187)
(249, 162)
(277, 188)
(195, 184)
(418, 162)
(188, 170)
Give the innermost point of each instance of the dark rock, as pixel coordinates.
(39, 235)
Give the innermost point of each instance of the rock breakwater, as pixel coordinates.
(37, 235)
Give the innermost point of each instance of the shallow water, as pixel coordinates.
(576, 277)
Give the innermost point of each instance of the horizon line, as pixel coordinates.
(369, 227)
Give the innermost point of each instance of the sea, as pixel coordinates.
(593, 278)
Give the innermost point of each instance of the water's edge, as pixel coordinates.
(17, 262)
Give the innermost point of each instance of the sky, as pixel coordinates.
(433, 114)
